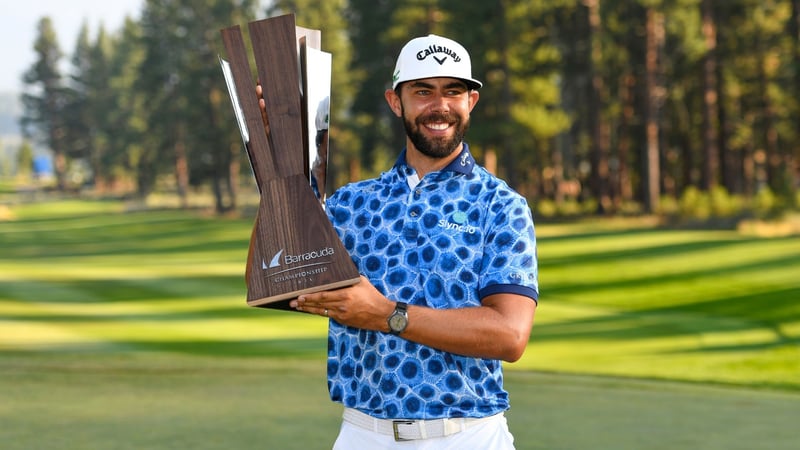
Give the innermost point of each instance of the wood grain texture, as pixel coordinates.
(275, 48)
(296, 249)
(258, 148)
(293, 246)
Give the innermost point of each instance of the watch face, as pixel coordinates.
(397, 322)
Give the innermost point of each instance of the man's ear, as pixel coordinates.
(394, 102)
(473, 98)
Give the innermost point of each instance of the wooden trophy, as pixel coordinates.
(293, 248)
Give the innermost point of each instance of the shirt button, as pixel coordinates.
(413, 214)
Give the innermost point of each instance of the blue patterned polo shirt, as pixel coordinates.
(445, 241)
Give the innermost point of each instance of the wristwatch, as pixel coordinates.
(398, 320)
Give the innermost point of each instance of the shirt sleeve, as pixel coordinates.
(510, 262)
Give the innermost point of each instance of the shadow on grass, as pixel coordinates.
(104, 290)
(759, 310)
(722, 315)
(296, 348)
(141, 233)
(602, 255)
(638, 282)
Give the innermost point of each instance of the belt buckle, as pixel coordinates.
(395, 423)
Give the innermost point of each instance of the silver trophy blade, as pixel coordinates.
(237, 108)
(317, 97)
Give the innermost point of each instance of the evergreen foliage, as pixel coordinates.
(607, 107)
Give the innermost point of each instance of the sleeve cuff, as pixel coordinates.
(509, 289)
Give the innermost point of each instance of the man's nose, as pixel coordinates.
(440, 103)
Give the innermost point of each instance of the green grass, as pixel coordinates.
(710, 306)
(129, 330)
(163, 400)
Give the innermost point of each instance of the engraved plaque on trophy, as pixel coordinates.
(293, 248)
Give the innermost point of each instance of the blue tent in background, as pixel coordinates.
(42, 167)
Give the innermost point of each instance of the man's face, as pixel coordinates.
(435, 113)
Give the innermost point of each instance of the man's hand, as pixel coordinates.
(498, 329)
(359, 306)
(262, 105)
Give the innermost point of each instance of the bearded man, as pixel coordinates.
(449, 276)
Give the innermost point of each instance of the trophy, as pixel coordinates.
(293, 247)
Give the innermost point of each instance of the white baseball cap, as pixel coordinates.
(433, 56)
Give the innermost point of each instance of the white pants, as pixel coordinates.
(490, 435)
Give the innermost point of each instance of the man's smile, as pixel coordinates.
(437, 126)
(436, 122)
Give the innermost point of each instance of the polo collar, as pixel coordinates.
(463, 164)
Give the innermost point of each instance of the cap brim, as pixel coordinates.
(471, 84)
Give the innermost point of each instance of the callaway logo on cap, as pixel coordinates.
(433, 56)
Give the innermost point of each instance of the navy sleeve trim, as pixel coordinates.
(509, 289)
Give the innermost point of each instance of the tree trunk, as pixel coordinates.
(768, 157)
(511, 172)
(182, 168)
(599, 127)
(625, 186)
(792, 164)
(490, 160)
(56, 141)
(654, 94)
(233, 177)
(60, 168)
(710, 103)
(732, 165)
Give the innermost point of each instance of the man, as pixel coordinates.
(449, 287)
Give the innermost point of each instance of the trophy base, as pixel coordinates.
(295, 249)
(282, 301)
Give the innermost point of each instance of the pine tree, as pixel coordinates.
(44, 99)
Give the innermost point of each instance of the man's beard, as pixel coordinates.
(439, 147)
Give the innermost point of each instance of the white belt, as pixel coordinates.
(408, 429)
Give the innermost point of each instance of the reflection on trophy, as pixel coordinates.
(293, 247)
(319, 166)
